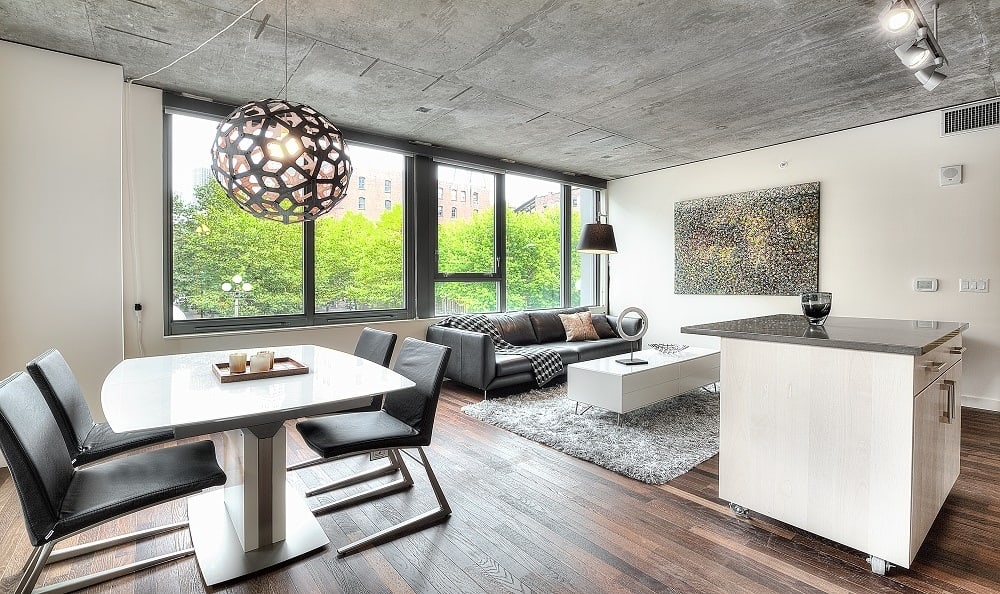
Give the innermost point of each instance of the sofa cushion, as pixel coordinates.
(603, 326)
(578, 326)
(515, 327)
(566, 350)
(511, 364)
(547, 325)
(596, 349)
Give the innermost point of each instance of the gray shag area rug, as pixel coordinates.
(653, 445)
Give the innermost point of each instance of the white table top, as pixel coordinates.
(655, 358)
(182, 391)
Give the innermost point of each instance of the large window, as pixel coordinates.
(534, 243)
(214, 241)
(358, 255)
(502, 242)
(518, 250)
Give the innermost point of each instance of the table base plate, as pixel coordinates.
(217, 548)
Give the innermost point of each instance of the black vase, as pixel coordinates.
(816, 307)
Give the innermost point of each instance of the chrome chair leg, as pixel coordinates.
(400, 484)
(46, 555)
(30, 561)
(36, 561)
(354, 479)
(424, 520)
(90, 547)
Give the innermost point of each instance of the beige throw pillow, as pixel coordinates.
(578, 326)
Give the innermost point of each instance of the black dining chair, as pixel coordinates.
(59, 501)
(375, 346)
(405, 421)
(87, 441)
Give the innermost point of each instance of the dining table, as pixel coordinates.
(257, 520)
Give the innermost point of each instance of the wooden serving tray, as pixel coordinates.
(282, 366)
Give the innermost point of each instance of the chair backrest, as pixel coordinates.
(423, 363)
(65, 397)
(38, 461)
(376, 346)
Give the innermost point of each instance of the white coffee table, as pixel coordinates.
(623, 388)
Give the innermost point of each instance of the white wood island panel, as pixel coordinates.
(858, 446)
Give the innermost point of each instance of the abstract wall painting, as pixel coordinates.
(761, 242)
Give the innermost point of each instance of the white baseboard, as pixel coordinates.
(981, 403)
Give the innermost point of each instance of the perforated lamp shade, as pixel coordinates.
(597, 238)
(281, 160)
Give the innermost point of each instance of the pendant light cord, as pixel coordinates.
(286, 51)
(204, 43)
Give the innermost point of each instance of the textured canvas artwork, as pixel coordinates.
(762, 242)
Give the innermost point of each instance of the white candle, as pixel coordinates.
(237, 362)
(259, 362)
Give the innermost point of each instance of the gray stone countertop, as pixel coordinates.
(905, 337)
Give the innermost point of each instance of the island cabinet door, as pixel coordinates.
(937, 433)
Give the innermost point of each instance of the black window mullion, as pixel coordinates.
(500, 241)
(566, 245)
(309, 271)
(425, 239)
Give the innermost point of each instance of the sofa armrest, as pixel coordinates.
(631, 326)
(473, 360)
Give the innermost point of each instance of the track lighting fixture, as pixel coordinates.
(897, 16)
(914, 55)
(923, 55)
(930, 77)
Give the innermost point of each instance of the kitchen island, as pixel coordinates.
(849, 430)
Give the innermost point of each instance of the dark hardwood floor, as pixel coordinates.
(530, 519)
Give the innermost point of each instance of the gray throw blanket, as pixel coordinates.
(545, 362)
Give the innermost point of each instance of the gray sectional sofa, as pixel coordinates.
(474, 361)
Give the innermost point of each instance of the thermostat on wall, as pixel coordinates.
(925, 284)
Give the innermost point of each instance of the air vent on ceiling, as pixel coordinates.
(974, 116)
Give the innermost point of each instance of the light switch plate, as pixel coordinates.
(925, 284)
(974, 285)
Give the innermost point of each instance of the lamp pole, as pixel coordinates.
(237, 289)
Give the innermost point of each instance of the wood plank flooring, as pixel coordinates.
(530, 519)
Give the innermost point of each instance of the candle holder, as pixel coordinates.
(816, 307)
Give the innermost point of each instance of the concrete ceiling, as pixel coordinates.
(606, 88)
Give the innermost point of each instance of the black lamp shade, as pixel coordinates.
(597, 238)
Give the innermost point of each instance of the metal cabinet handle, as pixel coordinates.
(957, 350)
(948, 386)
(934, 366)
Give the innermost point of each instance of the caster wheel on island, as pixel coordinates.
(739, 510)
(879, 566)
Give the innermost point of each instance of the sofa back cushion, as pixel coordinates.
(547, 325)
(603, 326)
(515, 327)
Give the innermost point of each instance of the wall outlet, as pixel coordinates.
(974, 285)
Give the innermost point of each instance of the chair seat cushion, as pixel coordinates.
(104, 491)
(352, 432)
(103, 442)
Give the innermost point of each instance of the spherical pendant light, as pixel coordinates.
(281, 160)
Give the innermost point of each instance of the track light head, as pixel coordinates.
(912, 55)
(930, 77)
(897, 17)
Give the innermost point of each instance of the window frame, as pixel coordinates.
(420, 275)
(174, 105)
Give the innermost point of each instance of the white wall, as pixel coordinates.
(883, 221)
(60, 233)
